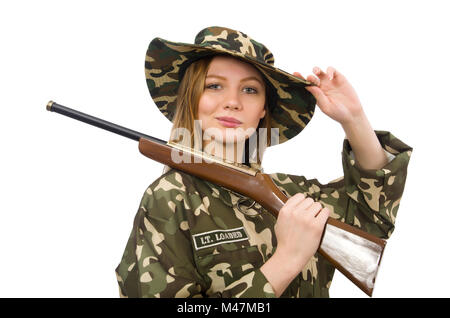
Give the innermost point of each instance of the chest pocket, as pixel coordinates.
(225, 267)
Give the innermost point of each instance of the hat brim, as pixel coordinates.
(167, 61)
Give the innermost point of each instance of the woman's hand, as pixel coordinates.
(334, 94)
(299, 228)
(338, 100)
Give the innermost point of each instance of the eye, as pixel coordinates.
(250, 90)
(213, 86)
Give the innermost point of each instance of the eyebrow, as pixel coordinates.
(242, 80)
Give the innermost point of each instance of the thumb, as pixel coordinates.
(321, 98)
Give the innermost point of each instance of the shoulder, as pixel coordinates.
(176, 190)
(170, 183)
(290, 184)
(167, 192)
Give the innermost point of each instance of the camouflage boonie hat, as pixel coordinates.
(291, 107)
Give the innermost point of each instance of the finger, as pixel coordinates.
(338, 76)
(305, 204)
(313, 79)
(293, 201)
(331, 72)
(323, 216)
(314, 209)
(299, 75)
(321, 98)
(329, 75)
(319, 73)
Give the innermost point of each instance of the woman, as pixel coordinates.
(193, 238)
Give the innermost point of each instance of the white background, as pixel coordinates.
(69, 191)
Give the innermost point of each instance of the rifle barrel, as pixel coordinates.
(100, 123)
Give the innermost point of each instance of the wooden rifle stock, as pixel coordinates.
(355, 253)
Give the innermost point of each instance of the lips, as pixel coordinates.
(229, 122)
(229, 119)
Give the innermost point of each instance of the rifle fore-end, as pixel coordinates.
(355, 253)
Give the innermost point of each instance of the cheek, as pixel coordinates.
(205, 106)
(206, 110)
(257, 113)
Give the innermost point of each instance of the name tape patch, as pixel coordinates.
(211, 238)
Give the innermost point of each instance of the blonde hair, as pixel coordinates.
(189, 92)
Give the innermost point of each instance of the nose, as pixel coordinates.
(232, 100)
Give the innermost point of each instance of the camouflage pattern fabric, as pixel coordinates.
(292, 106)
(190, 240)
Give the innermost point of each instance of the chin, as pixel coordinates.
(228, 137)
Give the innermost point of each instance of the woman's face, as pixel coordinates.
(233, 99)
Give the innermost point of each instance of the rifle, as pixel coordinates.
(355, 253)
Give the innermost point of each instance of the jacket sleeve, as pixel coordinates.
(368, 199)
(252, 285)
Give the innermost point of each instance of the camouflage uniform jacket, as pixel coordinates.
(190, 240)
